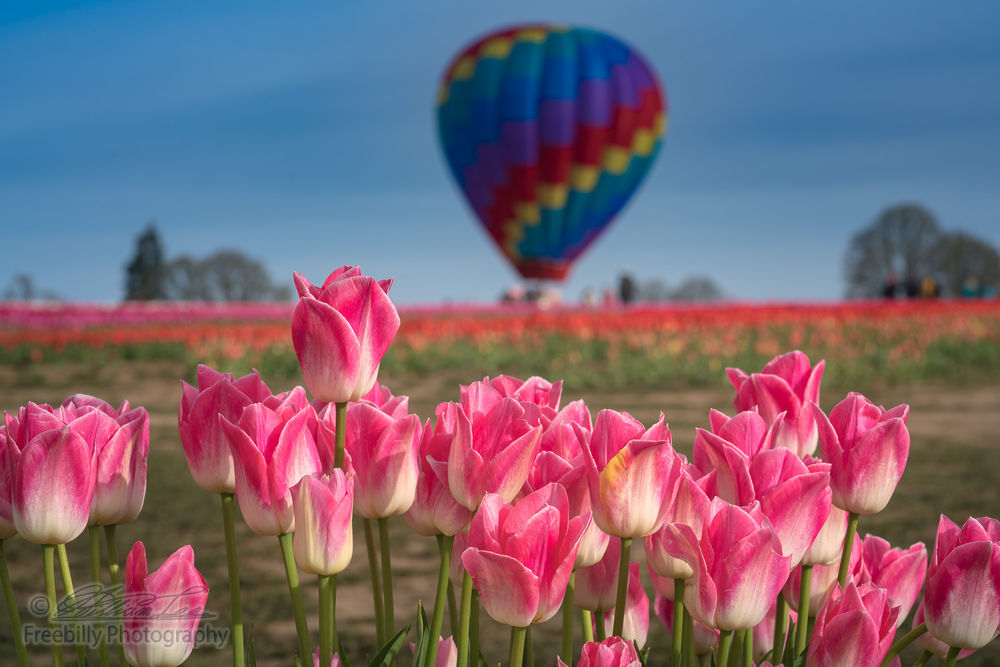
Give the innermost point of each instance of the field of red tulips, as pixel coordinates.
(646, 345)
(529, 479)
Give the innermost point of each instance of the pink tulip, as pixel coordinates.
(829, 543)
(538, 396)
(962, 598)
(900, 572)
(121, 468)
(636, 618)
(787, 384)
(612, 652)
(793, 495)
(690, 507)
(162, 608)
(53, 472)
(323, 542)
(822, 581)
(334, 661)
(929, 642)
(434, 510)
(492, 445)
(867, 447)
(341, 331)
(273, 448)
(737, 562)
(205, 448)
(597, 585)
(856, 627)
(447, 653)
(705, 638)
(520, 557)
(381, 453)
(632, 473)
(7, 528)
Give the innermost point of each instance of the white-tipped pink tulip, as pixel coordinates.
(899, 571)
(612, 652)
(162, 608)
(691, 508)
(120, 488)
(962, 598)
(738, 566)
(434, 510)
(520, 556)
(341, 330)
(867, 447)
(856, 627)
(787, 384)
(492, 445)
(323, 542)
(205, 447)
(273, 448)
(381, 453)
(53, 472)
(632, 473)
(597, 585)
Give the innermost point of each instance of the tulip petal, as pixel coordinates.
(507, 589)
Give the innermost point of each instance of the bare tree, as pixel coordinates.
(698, 289)
(902, 241)
(22, 288)
(226, 275)
(960, 256)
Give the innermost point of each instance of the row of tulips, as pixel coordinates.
(535, 506)
(888, 341)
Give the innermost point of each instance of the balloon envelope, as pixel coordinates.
(548, 131)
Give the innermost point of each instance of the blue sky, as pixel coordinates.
(304, 134)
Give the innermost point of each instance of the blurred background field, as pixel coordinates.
(941, 357)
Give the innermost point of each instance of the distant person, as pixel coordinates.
(890, 286)
(626, 288)
(970, 287)
(910, 287)
(607, 297)
(589, 297)
(929, 288)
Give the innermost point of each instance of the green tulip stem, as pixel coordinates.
(922, 660)
(622, 598)
(295, 592)
(517, 646)
(780, 625)
(463, 622)
(529, 648)
(235, 608)
(690, 659)
(48, 561)
(67, 578)
(389, 609)
(474, 629)
(845, 558)
(805, 592)
(445, 545)
(952, 656)
(903, 642)
(599, 628)
(325, 612)
(566, 652)
(452, 607)
(15, 615)
(94, 533)
(725, 641)
(747, 660)
(341, 433)
(587, 625)
(111, 546)
(677, 640)
(376, 578)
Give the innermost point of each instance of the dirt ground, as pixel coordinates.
(953, 469)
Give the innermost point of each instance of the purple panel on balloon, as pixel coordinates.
(520, 142)
(490, 160)
(626, 92)
(556, 120)
(594, 102)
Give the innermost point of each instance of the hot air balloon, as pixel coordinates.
(548, 131)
